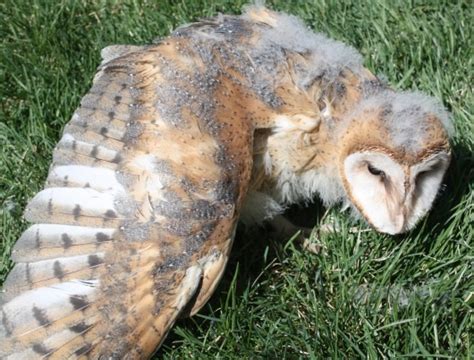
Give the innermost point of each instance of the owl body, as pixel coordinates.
(233, 117)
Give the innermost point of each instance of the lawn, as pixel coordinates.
(365, 295)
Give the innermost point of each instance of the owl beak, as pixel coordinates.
(395, 226)
(399, 224)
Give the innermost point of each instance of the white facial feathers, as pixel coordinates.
(391, 196)
(426, 179)
(376, 197)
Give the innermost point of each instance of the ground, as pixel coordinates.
(365, 295)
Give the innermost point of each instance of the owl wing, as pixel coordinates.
(137, 215)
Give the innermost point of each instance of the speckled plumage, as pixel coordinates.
(237, 116)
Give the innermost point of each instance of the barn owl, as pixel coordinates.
(231, 118)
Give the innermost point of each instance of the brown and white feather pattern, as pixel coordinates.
(138, 214)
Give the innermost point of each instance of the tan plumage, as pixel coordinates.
(174, 142)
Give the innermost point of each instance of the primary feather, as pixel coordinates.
(139, 211)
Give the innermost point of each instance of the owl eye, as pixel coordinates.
(375, 171)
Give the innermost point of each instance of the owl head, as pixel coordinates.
(394, 154)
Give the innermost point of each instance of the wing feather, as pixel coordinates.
(136, 218)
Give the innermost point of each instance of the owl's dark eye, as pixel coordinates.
(375, 171)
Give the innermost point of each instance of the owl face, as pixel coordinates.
(392, 195)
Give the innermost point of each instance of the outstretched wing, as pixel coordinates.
(137, 215)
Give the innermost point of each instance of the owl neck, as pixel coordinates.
(296, 157)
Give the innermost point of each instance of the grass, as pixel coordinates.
(367, 295)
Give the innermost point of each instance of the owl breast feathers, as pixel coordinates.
(233, 117)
